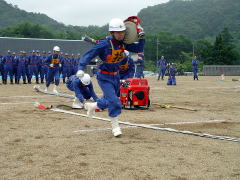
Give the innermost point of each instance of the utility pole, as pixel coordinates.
(157, 48)
(193, 50)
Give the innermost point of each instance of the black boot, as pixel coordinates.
(64, 81)
(29, 81)
(37, 81)
(24, 81)
(11, 81)
(16, 81)
(42, 81)
(4, 81)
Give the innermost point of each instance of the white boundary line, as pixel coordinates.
(154, 128)
(23, 96)
(177, 123)
(15, 103)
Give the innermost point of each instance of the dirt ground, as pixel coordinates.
(41, 144)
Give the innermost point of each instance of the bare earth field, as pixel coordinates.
(41, 144)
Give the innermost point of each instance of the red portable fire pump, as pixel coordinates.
(134, 93)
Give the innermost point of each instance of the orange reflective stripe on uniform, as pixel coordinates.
(116, 56)
(124, 67)
(55, 61)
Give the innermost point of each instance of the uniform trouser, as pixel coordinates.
(33, 70)
(15, 72)
(1, 71)
(71, 71)
(110, 85)
(84, 91)
(161, 73)
(75, 70)
(139, 71)
(171, 81)
(21, 71)
(27, 72)
(66, 73)
(195, 75)
(8, 70)
(125, 76)
(43, 72)
(53, 73)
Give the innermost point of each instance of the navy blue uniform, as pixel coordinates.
(139, 65)
(53, 62)
(126, 68)
(195, 69)
(171, 76)
(111, 52)
(8, 68)
(82, 92)
(162, 64)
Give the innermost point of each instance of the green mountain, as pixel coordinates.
(193, 18)
(11, 16)
(196, 19)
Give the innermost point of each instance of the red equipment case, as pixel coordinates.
(134, 93)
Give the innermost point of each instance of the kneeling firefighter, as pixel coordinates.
(83, 88)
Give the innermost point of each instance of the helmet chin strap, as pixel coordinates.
(119, 41)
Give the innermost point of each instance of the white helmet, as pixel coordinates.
(126, 52)
(117, 25)
(86, 79)
(56, 48)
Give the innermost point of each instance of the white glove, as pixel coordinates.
(60, 65)
(51, 65)
(80, 73)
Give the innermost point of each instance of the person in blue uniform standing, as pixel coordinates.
(8, 67)
(161, 64)
(15, 58)
(66, 67)
(53, 62)
(139, 65)
(43, 66)
(72, 62)
(33, 62)
(21, 67)
(195, 68)
(83, 89)
(27, 67)
(111, 52)
(1, 67)
(76, 62)
(126, 67)
(172, 75)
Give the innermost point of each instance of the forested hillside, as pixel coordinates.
(196, 19)
(178, 30)
(11, 15)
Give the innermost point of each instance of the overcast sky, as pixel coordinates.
(85, 12)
